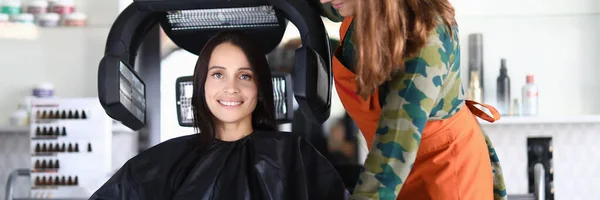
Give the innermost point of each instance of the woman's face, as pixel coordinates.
(230, 89)
(344, 7)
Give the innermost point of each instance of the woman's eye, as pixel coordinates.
(245, 77)
(217, 75)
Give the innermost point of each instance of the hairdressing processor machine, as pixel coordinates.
(190, 24)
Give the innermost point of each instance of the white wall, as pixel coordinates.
(66, 57)
(558, 42)
(555, 40)
(524, 7)
(179, 63)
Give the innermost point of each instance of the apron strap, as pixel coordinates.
(479, 113)
(344, 27)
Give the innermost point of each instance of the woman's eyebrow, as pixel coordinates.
(216, 67)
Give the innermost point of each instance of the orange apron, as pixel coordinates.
(452, 161)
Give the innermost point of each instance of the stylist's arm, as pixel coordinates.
(397, 73)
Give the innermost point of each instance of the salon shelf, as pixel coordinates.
(576, 119)
(116, 127)
(45, 138)
(14, 129)
(44, 171)
(28, 33)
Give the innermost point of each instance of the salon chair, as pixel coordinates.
(190, 24)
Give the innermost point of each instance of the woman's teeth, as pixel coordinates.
(230, 103)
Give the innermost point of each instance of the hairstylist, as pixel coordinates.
(397, 73)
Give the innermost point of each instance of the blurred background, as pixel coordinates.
(548, 49)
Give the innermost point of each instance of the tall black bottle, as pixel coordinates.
(503, 89)
(476, 62)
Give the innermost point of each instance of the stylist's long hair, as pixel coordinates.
(390, 31)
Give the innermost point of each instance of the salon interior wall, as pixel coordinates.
(555, 40)
(558, 42)
(66, 57)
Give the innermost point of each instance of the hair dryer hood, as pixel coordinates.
(190, 29)
(190, 24)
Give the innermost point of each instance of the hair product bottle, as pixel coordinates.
(503, 89)
(515, 108)
(474, 90)
(530, 100)
(476, 60)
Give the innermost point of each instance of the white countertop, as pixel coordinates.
(14, 129)
(504, 120)
(575, 119)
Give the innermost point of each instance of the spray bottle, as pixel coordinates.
(530, 101)
(503, 89)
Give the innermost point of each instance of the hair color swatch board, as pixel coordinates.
(70, 147)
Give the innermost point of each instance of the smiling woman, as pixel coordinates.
(238, 153)
(227, 75)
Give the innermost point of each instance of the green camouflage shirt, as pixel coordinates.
(430, 89)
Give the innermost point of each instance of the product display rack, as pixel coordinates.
(70, 147)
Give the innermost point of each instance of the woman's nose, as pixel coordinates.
(231, 87)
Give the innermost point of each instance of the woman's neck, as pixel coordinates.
(234, 131)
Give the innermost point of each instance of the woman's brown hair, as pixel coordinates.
(391, 31)
(263, 116)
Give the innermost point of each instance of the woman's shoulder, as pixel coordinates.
(272, 134)
(154, 166)
(282, 141)
(168, 148)
(279, 135)
(269, 136)
(444, 35)
(164, 154)
(441, 48)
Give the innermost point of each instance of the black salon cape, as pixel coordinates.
(263, 165)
